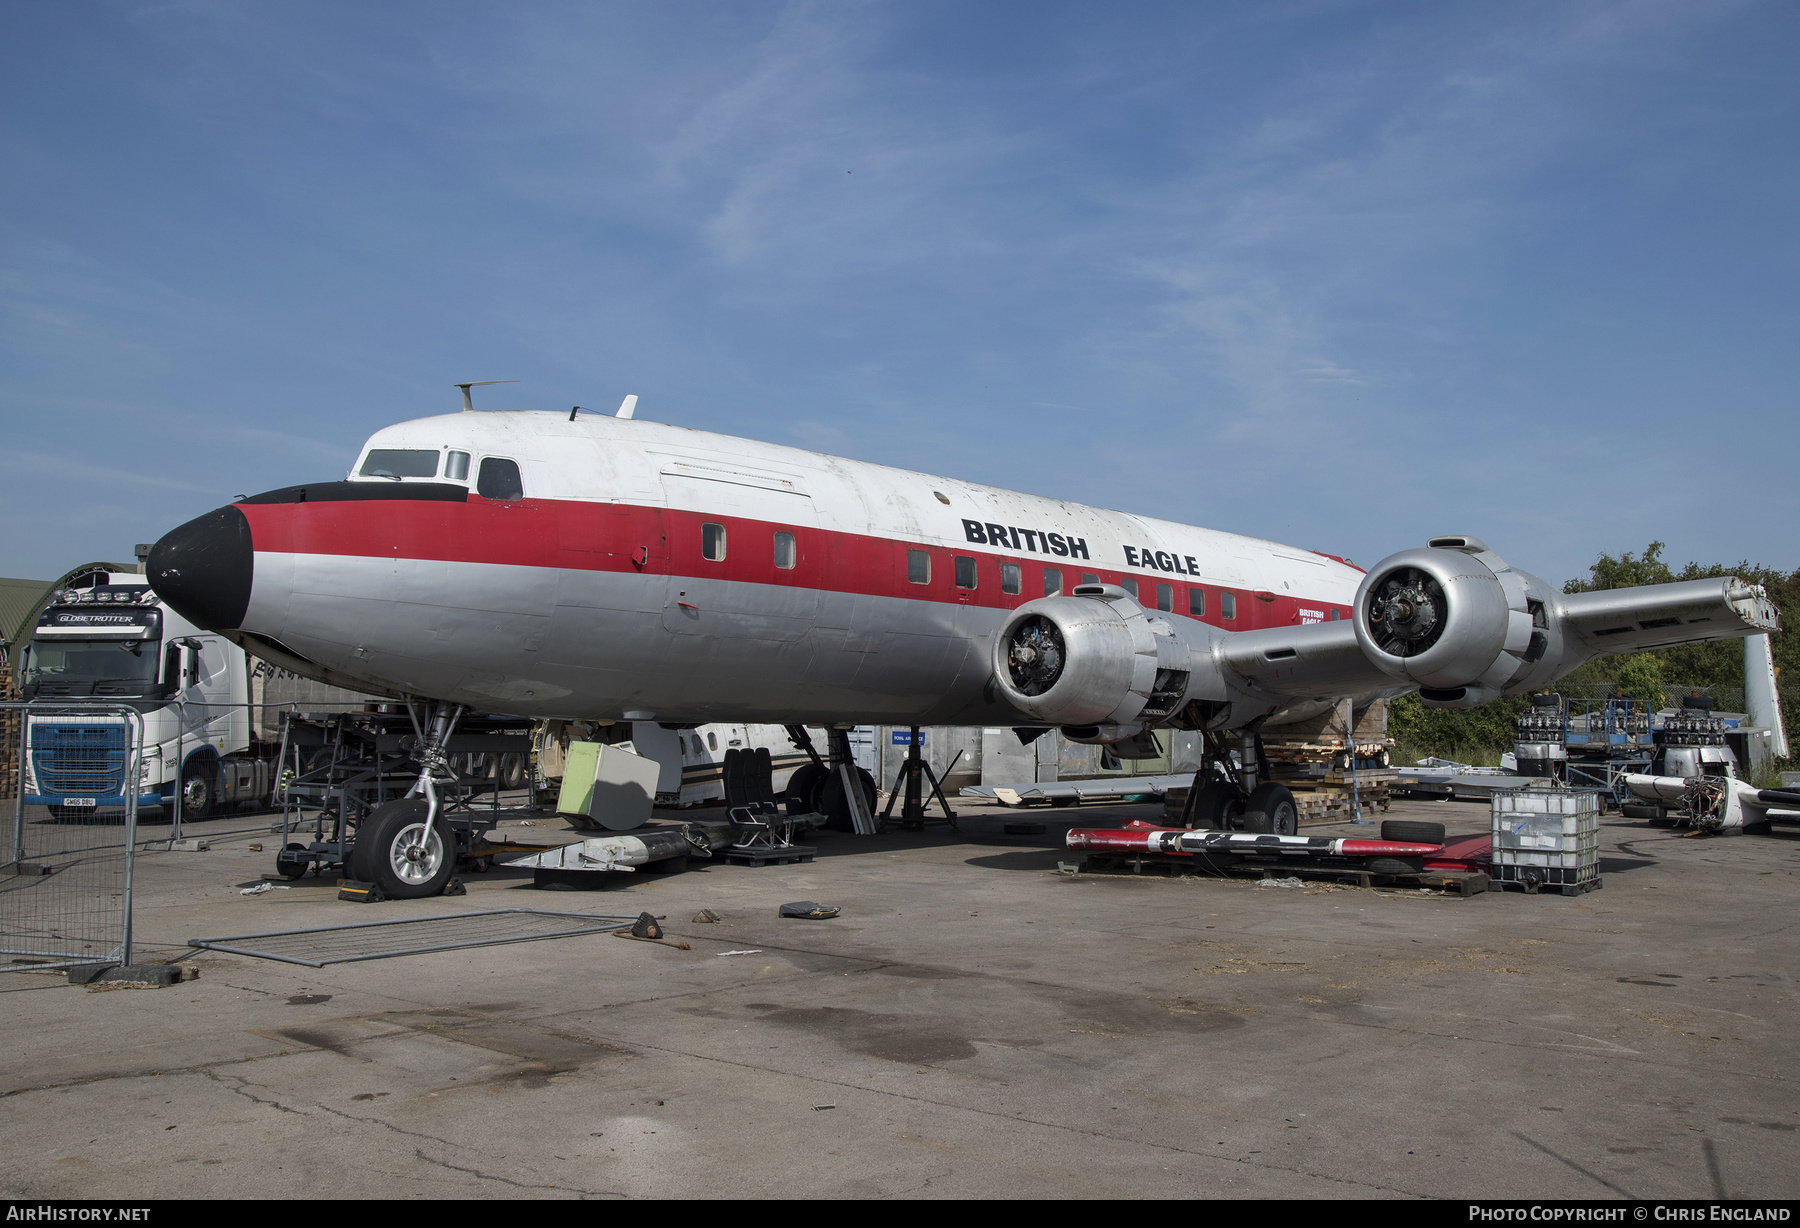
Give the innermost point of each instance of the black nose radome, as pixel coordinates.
(203, 569)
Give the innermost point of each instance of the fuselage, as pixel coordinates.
(612, 568)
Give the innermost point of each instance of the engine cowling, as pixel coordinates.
(1452, 618)
(1091, 659)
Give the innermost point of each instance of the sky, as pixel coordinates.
(1342, 274)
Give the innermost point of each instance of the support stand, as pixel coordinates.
(914, 771)
(862, 821)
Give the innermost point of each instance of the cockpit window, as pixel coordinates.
(456, 468)
(400, 463)
(499, 479)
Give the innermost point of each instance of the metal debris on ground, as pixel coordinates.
(820, 1108)
(810, 910)
(260, 888)
(1279, 882)
(756, 951)
(705, 916)
(341, 944)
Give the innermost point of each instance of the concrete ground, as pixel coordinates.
(974, 1024)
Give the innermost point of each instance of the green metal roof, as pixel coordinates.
(19, 601)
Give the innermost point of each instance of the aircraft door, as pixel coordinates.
(745, 561)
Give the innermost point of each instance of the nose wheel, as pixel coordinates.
(404, 850)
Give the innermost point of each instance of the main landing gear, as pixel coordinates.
(1226, 796)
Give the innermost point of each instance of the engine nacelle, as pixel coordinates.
(1091, 659)
(1454, 620)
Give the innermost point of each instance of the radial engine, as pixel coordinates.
(1453, 620)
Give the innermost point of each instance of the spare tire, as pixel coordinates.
(1395, 865)
(1406, 831)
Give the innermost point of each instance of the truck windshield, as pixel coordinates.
(400, 463)
(90, 667)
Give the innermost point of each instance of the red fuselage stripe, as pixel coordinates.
(632, 539)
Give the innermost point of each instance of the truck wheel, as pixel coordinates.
(1271, 810)
(400, 850)
(198, 793)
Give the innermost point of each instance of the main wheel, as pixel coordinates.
(400, 850)
(512, 771)
(1406, 831)
(197, 792)
(1212, 807)
(803, 791)
(1271, 810)
(836, 807)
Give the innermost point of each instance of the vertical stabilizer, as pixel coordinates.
(1762, 701)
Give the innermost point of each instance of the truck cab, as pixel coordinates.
(115, 643)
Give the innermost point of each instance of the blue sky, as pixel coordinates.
(1341, 274)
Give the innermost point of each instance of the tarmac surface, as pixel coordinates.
(974, 1024)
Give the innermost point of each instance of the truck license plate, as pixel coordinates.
(78, 801)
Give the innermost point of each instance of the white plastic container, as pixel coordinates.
(1547, 838)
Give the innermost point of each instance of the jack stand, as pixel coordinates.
(862, 820)
(912, 812)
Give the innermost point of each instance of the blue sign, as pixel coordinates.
(903, 737)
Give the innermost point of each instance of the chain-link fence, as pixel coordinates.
(65, 890)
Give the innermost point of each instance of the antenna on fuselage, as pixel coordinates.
(468, 402)
(627, 407)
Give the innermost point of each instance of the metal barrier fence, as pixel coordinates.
(65, 890)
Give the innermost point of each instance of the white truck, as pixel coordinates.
(115, 642)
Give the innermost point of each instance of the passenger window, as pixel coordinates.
(1165, 598)
(965, 571)
(456, 468)
(1197, 602)
(918, 567)
(1129, 585)
(1087, 579)
(784, 551)
(712, 543)
(499, 479)
(1228, 605)
(712, 740)
(400, 463)
(1333, 616)
(1009, 578)
(1052, 582)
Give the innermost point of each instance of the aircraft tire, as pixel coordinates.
(803, 789)
(1395, 865)
(397, 852)
(511, 771)
(1212, 807)
(836, 807)
(1407, 831)
(1271, 809)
